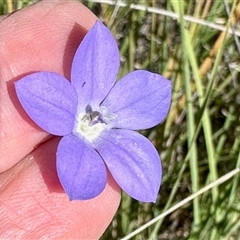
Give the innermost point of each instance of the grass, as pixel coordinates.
(195, 45)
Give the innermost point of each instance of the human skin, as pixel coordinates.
(33, 205)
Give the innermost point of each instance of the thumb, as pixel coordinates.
(34, 205)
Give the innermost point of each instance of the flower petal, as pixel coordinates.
(81, 170)
(133, 162)
(95, 66)
(50, 100)
(140, 100)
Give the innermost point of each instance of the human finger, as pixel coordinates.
(40, 37)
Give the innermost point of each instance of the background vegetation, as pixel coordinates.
(196, 45)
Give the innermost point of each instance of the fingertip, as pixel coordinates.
(47, 212)
(41, 37)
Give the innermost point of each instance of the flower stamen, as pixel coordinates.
(92, 123)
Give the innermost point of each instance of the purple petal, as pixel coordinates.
(50, 101)
(133, 162)
(140, 100)
(95, 66)
(80, 169)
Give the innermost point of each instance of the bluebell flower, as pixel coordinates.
(97, 117)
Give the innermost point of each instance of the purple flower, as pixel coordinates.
(96, 118)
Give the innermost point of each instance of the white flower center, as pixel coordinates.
(91, 123)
